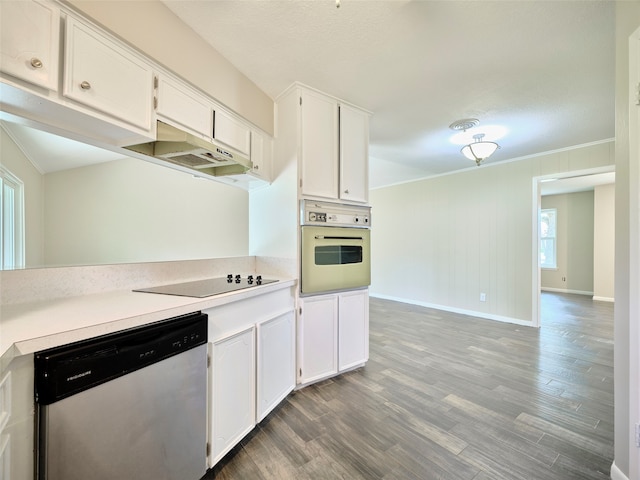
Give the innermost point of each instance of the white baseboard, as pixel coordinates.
(565, 290)
(603, 299)
(616, 473)
(447, 308)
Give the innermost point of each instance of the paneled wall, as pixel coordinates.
(604, 242)
(574, 244)
(443, 241)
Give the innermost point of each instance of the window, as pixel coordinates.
(11, 221)
(548, 238)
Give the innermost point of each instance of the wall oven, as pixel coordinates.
(335, 247)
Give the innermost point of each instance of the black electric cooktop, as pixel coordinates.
(208, 287)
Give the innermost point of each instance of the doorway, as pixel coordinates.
(569, 182)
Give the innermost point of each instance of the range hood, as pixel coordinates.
(181, 148)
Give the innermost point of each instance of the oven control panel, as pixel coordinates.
(333, 214)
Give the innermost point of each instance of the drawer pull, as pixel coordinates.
(36, 62)
(85, 85)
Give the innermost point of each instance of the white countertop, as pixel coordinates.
(30, 327)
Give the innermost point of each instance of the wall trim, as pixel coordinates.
(604, 299)
(616, 473)
(565, 290)
(516, 159)
(446, 308)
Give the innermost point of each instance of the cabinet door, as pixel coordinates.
(354, 154)
(232, 391)
(231, 132)
(182, 106)
(319, 145)
(17, 419)
(30, 41)
(318, 338)
(276, 364)
(261, 154)
(106, 77)
(353, 329)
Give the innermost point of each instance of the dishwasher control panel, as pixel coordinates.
(63, 371)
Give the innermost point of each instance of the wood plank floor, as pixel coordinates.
(447, 396)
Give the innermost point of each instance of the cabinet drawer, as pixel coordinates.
(106, 77)
(30, 41)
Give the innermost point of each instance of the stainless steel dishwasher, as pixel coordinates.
(128, 406)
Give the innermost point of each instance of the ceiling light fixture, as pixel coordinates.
(479, 150)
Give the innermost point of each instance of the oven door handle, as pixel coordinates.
(326, 237)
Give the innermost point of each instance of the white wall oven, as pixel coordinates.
(335, 247)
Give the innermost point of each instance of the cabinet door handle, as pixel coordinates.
(347, 191)
(36, 62)
(85, 85)
(256, 167)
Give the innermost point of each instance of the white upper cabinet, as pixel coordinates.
(231, 131)
(106, 77)
(334, 142)
(184, 106)
(354, 154)
(319, 145)
(261, 155)
(30, 41)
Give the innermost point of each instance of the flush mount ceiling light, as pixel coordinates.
(479, 149)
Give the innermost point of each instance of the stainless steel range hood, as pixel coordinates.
(181, 148)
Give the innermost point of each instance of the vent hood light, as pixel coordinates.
(186, 150)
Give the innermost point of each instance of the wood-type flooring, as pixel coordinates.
(448, 396)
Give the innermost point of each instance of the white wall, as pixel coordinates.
(443, 241)
(146, 24)
(626, 313)
(14, 159)
(133, 211)
(604, 242)
(574, 243)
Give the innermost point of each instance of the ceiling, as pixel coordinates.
(542, 70)
(50, 153)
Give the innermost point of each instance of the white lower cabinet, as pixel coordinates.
(252, 365)
(333, 334)
(353, 329)
(233, 391)
(17, 419)
(318, 338)
(276, 362)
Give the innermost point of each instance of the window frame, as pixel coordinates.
(548, 238)
(14, 232)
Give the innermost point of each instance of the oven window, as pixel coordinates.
(338, 254)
